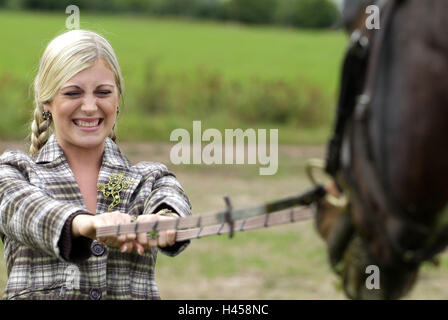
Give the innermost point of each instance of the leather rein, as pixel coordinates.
(287, 210)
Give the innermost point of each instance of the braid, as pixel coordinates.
(40, 131)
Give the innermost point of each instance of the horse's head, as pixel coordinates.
(394, 159)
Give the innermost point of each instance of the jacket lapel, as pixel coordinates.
(116, 181)
(114, 163)
(59, 179)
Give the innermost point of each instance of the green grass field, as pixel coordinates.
(180, 47)
(179, 62)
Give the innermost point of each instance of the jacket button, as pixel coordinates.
(95, 294)
(98, 249)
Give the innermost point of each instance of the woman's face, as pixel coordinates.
(85, 108)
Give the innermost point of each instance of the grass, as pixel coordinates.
(172, 64)
(283, 262)
(181, 47)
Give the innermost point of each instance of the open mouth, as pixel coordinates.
(88, 123)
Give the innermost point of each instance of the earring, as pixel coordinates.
(46, 115)
(118, 110)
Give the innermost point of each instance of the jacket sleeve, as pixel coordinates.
(167, 192)
(28, 214)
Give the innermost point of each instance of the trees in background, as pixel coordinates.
(297, 13)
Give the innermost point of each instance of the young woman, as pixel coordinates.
(75, 180)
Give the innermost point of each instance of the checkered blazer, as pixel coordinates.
(39, 197)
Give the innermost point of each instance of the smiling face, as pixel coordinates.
(84, 109)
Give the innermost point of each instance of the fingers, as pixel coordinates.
(155, 239)
(124, 241)
(167, 238)
(158, 239)
(142, 239)
(128, 243)
(139, 248)
(161, 241)
(171, 237)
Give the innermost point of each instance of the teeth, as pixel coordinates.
(87, 124)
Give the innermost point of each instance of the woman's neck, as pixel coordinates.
(80, 158)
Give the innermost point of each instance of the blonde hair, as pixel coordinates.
(65, 56)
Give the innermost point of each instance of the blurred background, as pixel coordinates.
(231, 64)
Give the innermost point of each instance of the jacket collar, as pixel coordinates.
(52, 151)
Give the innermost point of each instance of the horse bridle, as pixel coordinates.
(362, 61)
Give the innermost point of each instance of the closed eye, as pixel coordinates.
(71, 94)
(104, 92)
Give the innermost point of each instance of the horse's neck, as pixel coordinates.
(409, 124)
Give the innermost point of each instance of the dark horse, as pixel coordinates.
(389, 151)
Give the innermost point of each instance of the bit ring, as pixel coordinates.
(339, 202)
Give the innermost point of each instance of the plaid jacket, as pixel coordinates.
(39, 197)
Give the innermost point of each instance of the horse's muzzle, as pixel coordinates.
(362, 276)
(364, 279)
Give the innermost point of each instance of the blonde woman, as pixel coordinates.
(53, 200)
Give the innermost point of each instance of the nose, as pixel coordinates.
(89, 105)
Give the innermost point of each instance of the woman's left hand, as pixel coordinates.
(144, 241)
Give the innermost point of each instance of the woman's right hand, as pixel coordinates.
(86, 225)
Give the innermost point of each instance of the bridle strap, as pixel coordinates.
(353, 77)
(353, 72)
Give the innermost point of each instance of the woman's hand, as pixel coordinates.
(164, 238)
(87, 225)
